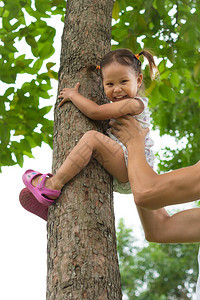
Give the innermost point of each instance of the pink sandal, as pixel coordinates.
(40, 192)
(31, 204)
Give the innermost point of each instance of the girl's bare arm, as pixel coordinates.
(101, 112)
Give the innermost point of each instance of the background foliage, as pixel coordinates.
(156, 271)
(169, 28)
(22, 122)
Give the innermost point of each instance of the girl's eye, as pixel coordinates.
(124, 81)
(109, 84)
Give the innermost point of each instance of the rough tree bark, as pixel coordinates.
(82, 256)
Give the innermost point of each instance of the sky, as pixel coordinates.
(23, 235)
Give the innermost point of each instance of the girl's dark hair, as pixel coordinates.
(127, 58)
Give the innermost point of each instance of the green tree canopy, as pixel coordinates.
(20, 113)
(156, 271)
(169, 28)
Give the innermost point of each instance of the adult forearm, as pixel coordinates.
(153, 223)
(160, 227)
(154, 191)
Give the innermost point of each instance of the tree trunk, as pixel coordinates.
(82, 256)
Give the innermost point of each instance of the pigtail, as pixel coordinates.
(152, 65)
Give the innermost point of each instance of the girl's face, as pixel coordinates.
(120, 81)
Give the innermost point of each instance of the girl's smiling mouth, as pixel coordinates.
(120, 97)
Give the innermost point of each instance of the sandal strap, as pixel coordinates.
(41, 181)
(45, 191)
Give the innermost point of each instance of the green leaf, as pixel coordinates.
(31, 41)
(45, 110)
(6, 24)
(37, 138)
(167, 93)
(197, 70)
(49, 65)
(9, 46)
(20, 159)
(116, 10)
(9, 91)
(38, 64)
(25, 146)
(175, 79)
(42, 5)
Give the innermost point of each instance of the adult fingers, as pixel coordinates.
(124, 120)
(115, 132)
(115, 125)
(121, 121)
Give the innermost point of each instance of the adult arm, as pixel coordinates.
(151, 190)
(160, 227)
(100, 112)
(154, 191)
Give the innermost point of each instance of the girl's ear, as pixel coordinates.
(139, 80)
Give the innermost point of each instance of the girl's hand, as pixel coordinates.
(66, 94)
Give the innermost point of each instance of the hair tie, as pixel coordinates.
(137, 56)
(98, 67)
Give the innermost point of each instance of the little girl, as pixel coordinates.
(122, 77)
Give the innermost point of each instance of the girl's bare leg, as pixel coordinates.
(106, 151)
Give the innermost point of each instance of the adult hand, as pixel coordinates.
(128, 130)
(67, 93)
